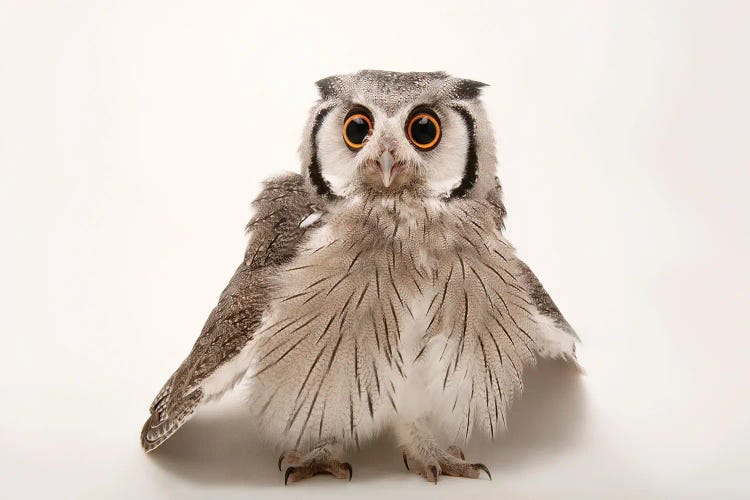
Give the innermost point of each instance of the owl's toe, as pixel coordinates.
(339, 470)
(429, 471)
(450, 462)
(434, 473)
(292, 457)
(313, 464)
(461, 468)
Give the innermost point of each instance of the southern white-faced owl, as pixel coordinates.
(377, 290)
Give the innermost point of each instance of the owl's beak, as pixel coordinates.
(388, 170)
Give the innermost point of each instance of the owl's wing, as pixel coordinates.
(543, 302)
(538, 295)
(283, 211)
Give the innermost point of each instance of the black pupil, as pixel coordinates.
(357, 130)
(423, 130)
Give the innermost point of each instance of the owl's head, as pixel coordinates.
(384, 133)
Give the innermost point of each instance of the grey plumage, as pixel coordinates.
(276, 234)
(542, 301)
(365, 303)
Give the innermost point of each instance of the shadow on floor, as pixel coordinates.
(216, 446)
(545, 421)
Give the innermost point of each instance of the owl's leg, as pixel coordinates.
(428, 459)
(323, 458)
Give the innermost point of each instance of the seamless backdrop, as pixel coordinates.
(133, 136)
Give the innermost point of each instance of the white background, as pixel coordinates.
(133, 136)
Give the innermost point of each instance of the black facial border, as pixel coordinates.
(321, 185)
(471, 169)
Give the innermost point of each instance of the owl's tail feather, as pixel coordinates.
(169, 411)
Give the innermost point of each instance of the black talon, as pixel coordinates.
(484, 468)
(348, 466)
(281, 459)
(406, 461)
(288, 473)
(433, 469)
(461, 452)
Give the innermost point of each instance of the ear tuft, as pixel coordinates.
(327, 86)
(468, 89)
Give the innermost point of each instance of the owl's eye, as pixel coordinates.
(357, 128)
(423, 129)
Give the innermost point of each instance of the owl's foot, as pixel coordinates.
(451, 462)
(320, 460)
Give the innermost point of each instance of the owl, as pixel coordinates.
(377, 291)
